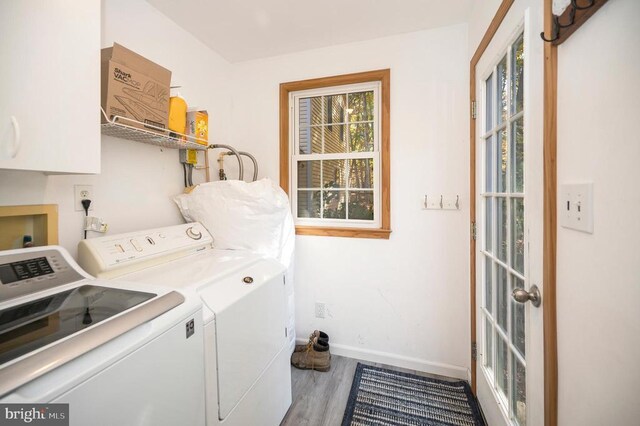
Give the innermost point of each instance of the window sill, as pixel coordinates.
(382, 234)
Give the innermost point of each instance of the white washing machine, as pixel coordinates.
(246, 351)
(117, 353)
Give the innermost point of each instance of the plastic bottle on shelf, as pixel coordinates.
(177, 114)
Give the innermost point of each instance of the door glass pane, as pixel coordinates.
(502, 298)
(309, 204)
(501, 365)
(360, 106)
(501, 214)
(488, 285)
(503, 320)
(308, 174)
(333, 205)
(488, 236)
(517, 234)
(519, 392)
(361, 137)
(488, 104)
(488, 185)
(488, 344)
(335, 139)
(517, 318)
(333, 173)
(517, 156)
(361, 205)
(501, 90)
(501, 162)
(517, 79)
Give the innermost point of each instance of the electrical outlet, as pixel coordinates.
(83, 192)
(320, 310)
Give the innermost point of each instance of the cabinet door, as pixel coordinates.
(50, 85)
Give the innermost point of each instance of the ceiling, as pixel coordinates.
(242, 30)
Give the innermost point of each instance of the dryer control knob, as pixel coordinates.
(193, 234)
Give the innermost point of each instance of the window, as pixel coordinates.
(334, 154)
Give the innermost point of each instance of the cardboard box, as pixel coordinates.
(134, 87)
(198, 126)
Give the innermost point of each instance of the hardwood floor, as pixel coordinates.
(319, 399)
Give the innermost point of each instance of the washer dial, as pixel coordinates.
(193, 233)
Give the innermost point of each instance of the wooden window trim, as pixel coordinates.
(384, 77)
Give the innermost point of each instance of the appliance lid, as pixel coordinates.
(196, 271)
(32, 325)
(23, 369)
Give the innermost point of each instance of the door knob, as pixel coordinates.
(521, 295)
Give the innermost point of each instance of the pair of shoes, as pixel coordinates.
(319, 339)
(314, 355)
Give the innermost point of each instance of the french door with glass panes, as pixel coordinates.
(509, 220)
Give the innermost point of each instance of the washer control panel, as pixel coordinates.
(114, 255)
(29, 271)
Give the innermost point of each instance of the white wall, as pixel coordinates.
(404, 300)
(599, 274)
(482, 12)
(137, 181)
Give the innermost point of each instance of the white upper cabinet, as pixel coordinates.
(50, 85)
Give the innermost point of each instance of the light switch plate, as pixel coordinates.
(576, 207)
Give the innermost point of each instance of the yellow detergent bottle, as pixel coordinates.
(177, 114)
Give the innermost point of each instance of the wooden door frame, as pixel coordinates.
(550, 208)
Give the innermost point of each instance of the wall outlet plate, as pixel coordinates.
(83, 192)
(320, 310)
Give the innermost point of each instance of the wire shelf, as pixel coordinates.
(118, 128)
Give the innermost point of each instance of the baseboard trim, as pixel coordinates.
(396, 360)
